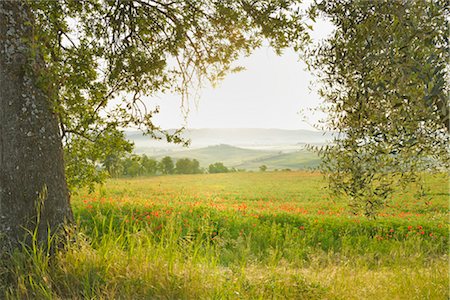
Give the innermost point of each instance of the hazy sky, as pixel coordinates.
(268, 94)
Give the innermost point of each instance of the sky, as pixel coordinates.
(270, 93)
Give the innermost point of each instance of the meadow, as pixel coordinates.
(265, 235)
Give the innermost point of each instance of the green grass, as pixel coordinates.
(298, 160)
(240, 235)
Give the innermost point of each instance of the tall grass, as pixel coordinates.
(176, 243)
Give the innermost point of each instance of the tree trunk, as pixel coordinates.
(33, 188)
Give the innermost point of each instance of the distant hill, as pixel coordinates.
(244, 148)
(266, 139)
(229, 155)
(247, 158)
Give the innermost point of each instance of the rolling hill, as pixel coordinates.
(255, 138)
(245, 148)
(301, 159)
(248, 159)
(229, 155)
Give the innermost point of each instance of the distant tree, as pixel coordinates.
(132, 166)
(183, 166)
(113, 165)
(217, 167)
(166, 165)
(187, 166)
(196, 167)
(149, 165)
(126, 163)
(111, 162)
(134, 169)
(263, 168)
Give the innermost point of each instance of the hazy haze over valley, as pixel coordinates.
(244, 148)
(250, 138)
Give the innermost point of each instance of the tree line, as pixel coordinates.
(142, 165)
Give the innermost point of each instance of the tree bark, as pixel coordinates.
(33, 190)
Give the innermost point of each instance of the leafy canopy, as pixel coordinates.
(384, 75)
(103, 58)
(217, 167)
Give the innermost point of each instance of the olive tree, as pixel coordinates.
(384, 79)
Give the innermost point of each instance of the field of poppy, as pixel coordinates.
(245, 235)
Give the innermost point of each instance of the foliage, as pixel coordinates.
(83, 158)
(135, 165)
(384, 74)
(217, 167)
(262, 168)
(104, 58)
(187, 166)
(132, 166)
(166, 165)
(150, 165)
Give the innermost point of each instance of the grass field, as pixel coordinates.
(272, 235)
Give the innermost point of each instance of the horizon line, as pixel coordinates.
(233, 128)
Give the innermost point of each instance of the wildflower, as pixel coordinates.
(410, 227)
(422, 232)
(419, 227)
(301, 227)
(392, 230)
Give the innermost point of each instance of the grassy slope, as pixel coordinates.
(226, 154)
(249, 159)
(295, 160)
(242, 235)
